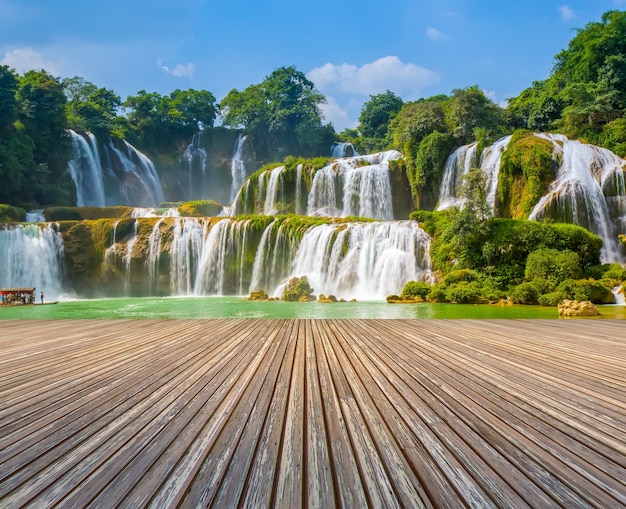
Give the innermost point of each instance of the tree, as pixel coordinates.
(282, 113)
(468, 109)
(418, 119)
(8, 101)
(376, 114)
(90, 108)
(42, 112)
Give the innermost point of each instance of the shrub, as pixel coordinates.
(457, 276)
(613, 271)
(10, 214)
(525, 293)
(588, 289)
(464, 292)
(416, 289)
(552, 299)
(552, 265)
(437, 293)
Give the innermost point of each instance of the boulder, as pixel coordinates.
(569, 308)
(328, 300)
(399, 299)
(258, 295)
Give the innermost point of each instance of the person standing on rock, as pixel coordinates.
(42, 296)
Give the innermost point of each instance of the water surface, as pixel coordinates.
(237, 307)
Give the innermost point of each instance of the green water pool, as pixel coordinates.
(237, 307)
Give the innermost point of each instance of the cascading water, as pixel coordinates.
(187, 242)
(139, 182)
(222, 256)
(269, 181)
(620, 297)
(368, 260)
(196, 158)
(461, 162)
(587, 173)
(31, 256)
(458, 164)
(86, 171)
(237, 167)
(343, 149)
(354, 186)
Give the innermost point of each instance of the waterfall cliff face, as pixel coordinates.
(355, 186)
(234, 257)
(195, 158)
(131, 176)
(86, 171)
(32, 256)
(589, 191)
(461, 161)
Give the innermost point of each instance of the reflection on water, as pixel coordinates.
(237, 308)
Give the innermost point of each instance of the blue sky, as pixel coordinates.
(349, 49)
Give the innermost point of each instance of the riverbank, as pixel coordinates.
(237, 307)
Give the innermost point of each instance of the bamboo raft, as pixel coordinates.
(313, 413)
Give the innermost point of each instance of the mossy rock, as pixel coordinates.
(200, 208)
(400, 299)
(298, 290)
(258, 295)
(326, 300)
(10, 214)
(84, 213)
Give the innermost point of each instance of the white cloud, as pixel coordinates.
(180, 71)
(387, 73)
(567, 13)
(337, 115)
(434, 34)
(26, 59)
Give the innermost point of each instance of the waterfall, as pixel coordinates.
(274, 256)
(35, 216)
(300, 207)
(585, 175)
(490, 164)
(195, 155)
(187, 242)
(31, 256)
(237, 167)
(354, 186)
(368, 260)
(154, 255)
(221, 252)
(269, 182)
(620, 298)
(86, 171)
(458, 164)
(343, 149)
(139, 182)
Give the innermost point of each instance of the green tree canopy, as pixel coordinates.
(282, 113)
(8, 101)
(376, 114)
(90, 108)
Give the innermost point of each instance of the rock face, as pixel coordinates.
(574, 308)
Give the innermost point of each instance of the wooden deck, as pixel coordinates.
(313, 413)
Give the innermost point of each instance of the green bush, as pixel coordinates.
(553, 266)
(437, 293)
(613, 271)
(416, 289)
(525, 293)
(10, 214)
(464, 292)
(552, 299)
(461, 275)
(597, 292)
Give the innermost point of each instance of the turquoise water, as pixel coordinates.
(237, 307)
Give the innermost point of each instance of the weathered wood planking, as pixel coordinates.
(313, 413)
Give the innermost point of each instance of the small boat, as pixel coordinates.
(17, 296)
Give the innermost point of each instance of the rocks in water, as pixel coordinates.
(403, 299)
(298, 290)
(574, 308)
(327, 300)
(258, 295)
